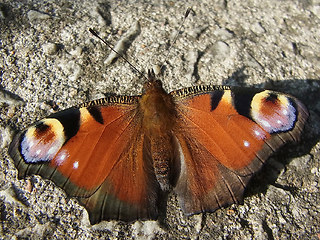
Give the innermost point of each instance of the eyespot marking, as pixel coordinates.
(41, 142)
(61, 157)
(76, 165)
(246, 143)
(274, 112)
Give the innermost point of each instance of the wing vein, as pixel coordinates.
(186, 117)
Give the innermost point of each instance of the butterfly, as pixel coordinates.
(118, 155)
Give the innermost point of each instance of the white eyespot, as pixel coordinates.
(52, 150)
(38, 151)
(61, 157)
(265, 123)
(285, 112)
(279, 122)
(31, 143)
(246, 143)
(76, 165)
(258, 133)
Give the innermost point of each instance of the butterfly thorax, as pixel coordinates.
(157, 108)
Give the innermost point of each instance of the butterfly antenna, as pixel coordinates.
(176, 36)
(119, 55)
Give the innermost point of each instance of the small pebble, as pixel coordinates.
(35, 15)
(50, 48)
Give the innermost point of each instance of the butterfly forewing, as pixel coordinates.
(225, 135)
(102, 161)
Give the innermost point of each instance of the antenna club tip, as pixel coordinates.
(189, 9)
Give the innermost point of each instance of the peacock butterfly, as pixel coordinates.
(119, 154)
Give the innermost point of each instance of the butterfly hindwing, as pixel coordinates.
(224, 136)
(96, 153)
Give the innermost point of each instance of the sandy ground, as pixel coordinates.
(49, 61)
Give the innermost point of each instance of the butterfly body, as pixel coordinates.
(159, 118)
(119, 154)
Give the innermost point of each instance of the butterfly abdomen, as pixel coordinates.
(162, 156)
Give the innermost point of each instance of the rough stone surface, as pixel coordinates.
(272, 44)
